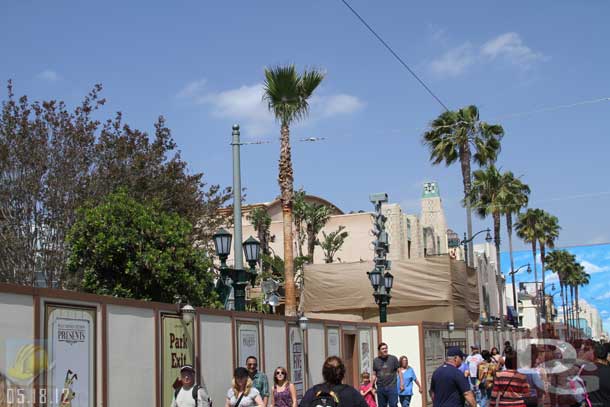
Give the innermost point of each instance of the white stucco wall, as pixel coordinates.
(275, 347)
(131, 342)
(16, 327)
(316, 355)
(404, 340)
(216, 356)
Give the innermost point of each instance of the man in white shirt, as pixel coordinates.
(473, 361)
(190, 394)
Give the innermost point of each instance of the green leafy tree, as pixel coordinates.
(528, 229)
(287, 94)
(128, 249)
(54, 159)
(515, 198)
(461, 136)
(332, 243)
(261, 221)
(316, 217)
(561, 262)
(298, 217)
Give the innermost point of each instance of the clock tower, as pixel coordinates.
(433, 220)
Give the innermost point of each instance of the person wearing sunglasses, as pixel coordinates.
(284, 393)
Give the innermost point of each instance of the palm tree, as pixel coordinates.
(581, 279)
(316, 217)
(261, 222)
(332, 243)
(298, 217)
(517, 197)
(487, 198)
(561, 262)
(453, 136)
(528, 229)
(287, 95)
(571, 279)
(549, 232)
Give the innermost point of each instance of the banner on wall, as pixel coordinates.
(365, 351)
(247, 342)
(297, 362)
(332, 342)
(70, 333)
(177, 350)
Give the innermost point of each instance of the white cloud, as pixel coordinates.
(245, 104)
(599, 239)
(593, 268)
(338, 104)
(554, 278)
(604, 312)
(48, 75)
(454, 62)
(603, 296)
(511, 47)
(508, 46)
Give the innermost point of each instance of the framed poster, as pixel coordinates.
(177, 350)
(70, 334)
(365, 351)
(297, 361)
(248, 343)
(333, 347)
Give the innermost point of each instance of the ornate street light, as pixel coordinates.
(222, 242)
(188, 313)
(252, 251)
(380, 277)
(465, 242)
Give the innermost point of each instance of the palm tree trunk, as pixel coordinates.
(536, 284)
(465, 158)
(311, 244)
(563, 303)
(572, 308)
(497, 224)
(509, 228)
(542, 254)
(577, 310)
(286, 182)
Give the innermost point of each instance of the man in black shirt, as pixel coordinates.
(601, 396)
(385, 367)
(448, 386)
(333, 372)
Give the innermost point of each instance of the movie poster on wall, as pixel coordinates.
(247, 342)
(297, 362)
(178, 350)
(332, 342)
(365, 351)
(70, 333)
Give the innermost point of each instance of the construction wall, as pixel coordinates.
(127, 347)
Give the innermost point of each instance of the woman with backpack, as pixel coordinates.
(284, 393)
(332, 393)
(242, 393)
(485, 374)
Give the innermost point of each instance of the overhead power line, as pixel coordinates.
(403, 63)
(553, 108)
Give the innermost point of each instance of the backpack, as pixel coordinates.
(195, 393)
(328, 398)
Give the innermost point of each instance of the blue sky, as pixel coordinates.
(200, 64)
(594, 258)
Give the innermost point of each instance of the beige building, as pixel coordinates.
(485, 262)
(410, 235)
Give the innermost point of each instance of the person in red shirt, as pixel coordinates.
(510, 387)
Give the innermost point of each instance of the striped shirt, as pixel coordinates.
(512, 387)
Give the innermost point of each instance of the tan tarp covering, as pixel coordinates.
(429, 289)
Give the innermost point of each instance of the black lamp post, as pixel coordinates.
(512, 275)
(236, 277)
(465, 242)
(380, 277)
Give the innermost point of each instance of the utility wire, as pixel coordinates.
(553, 108)
(403, 63)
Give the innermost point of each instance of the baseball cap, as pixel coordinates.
(475, 346)
(187, 368)
(455, 351)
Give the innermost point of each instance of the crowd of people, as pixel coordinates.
(480, 379)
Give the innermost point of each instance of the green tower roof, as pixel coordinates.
(430, 190)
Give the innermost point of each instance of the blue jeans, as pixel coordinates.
(387, 396)
(485, 397)
(405, 401)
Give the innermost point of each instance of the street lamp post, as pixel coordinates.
(512, 275)
(465, 242)
(380, 277)
(303, 325)
(235, 277)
